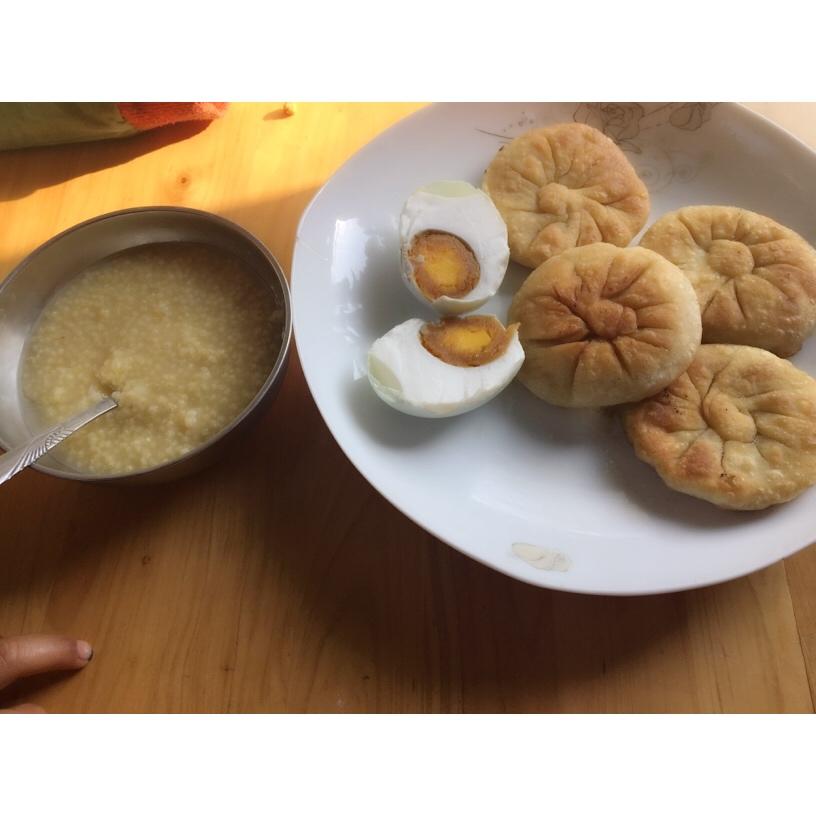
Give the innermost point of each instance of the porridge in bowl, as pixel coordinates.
(180, 334)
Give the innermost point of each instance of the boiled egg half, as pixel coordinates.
(453, 246)
(446, 368)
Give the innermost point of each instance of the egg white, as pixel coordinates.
(468, 213)
(408, 377)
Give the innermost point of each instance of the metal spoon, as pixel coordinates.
(14, 461)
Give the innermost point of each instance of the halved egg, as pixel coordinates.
(446, 368)
(453, 246)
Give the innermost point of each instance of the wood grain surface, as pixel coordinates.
(280, 580)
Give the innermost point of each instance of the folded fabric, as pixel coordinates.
(28, 124)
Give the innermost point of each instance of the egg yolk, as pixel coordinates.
(467, 341)
(443, 265)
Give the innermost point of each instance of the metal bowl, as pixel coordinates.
(31, 284)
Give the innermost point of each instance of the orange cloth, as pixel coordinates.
(147, 115)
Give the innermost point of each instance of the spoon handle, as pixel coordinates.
(14, 461)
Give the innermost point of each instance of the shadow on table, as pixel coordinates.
(24, 691)
(88, 523)
(428, 629)
(54, 164)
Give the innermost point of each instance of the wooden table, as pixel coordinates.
(280, 580)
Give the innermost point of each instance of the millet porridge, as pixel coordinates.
(180, 334)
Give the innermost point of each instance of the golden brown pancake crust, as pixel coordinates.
(601, 325)
(738, 428)
(754, 278)
(564, 186)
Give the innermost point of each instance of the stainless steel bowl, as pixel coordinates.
(29, 286)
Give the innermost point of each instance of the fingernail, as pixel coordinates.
(84, 650)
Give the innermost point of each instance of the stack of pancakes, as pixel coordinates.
(686, 331)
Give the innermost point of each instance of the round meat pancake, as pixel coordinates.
(564, 186)
(601, 325)
(754, 278)
(737, 429)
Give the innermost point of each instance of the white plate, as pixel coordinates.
(563, 483)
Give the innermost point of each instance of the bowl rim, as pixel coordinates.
(271, 379)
